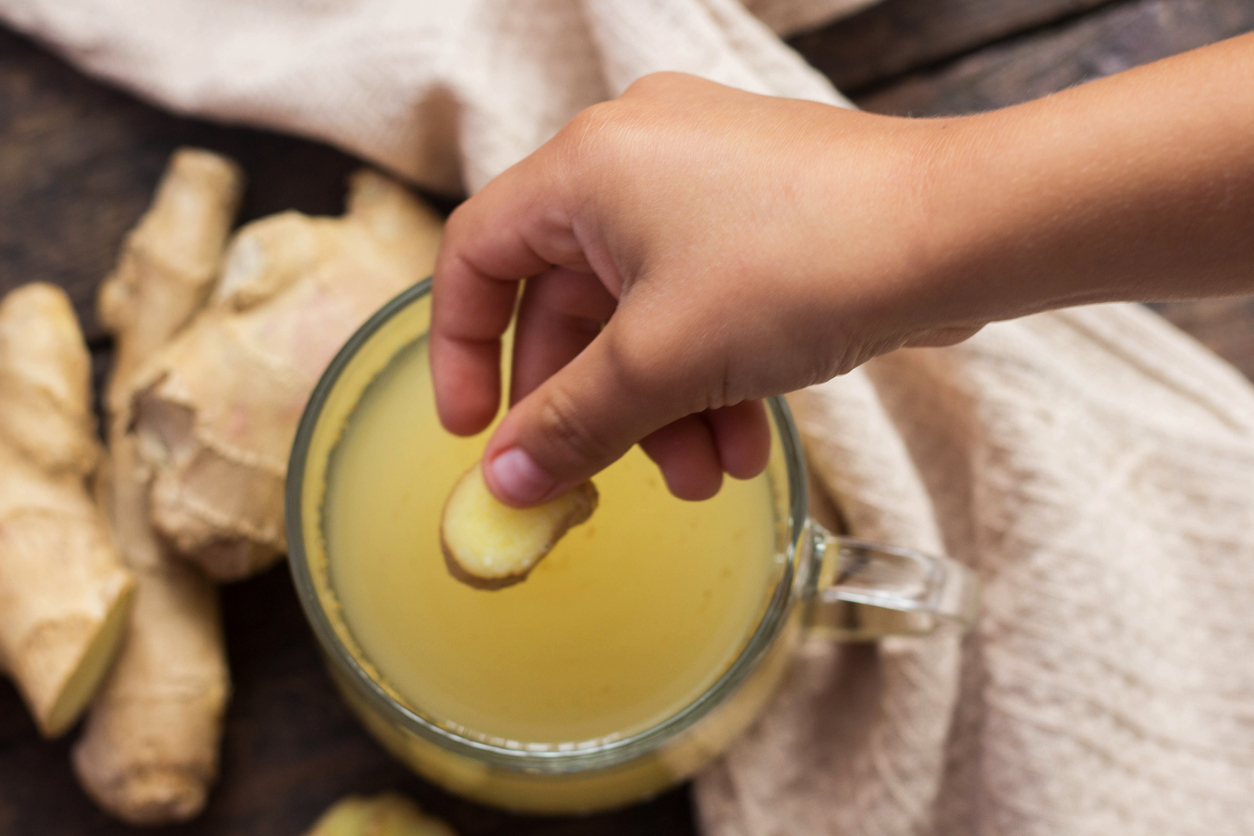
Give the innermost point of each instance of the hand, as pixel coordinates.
(689, 249)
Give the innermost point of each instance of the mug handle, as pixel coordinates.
(865, 591)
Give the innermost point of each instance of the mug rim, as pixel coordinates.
(544, 758)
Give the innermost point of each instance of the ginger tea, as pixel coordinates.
(630, 618)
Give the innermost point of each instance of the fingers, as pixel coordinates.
(572, 425)
(514, 228)
(465, 374)
(694, 452)
(561, 312)
(593, 409)
(470, 309)
(743, 438)
(687, 455)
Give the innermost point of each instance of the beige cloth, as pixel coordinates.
(1095, 466)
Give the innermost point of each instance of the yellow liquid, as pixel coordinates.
(630, 618)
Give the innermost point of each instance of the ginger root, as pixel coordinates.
(64, 593)
(149, 751)
(489, 545)
(216, 411)
(383, 815)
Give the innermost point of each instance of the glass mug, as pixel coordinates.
(842, 588)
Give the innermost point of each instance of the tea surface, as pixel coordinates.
(630, 617)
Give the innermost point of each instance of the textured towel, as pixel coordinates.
(1094, 466)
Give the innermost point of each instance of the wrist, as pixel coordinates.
(937, 237)
(1136, 187)
(976, 219)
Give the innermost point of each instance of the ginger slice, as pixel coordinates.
(489, 545)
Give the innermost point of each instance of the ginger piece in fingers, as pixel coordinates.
(216, 411)
(490, 545)
(150, 748)
(64, 593)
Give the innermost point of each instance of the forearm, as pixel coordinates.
(691, 247)
(1135, 187)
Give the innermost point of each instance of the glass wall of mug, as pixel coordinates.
(815, 581)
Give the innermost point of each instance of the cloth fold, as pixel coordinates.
(1095, 466)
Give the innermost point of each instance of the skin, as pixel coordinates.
(690, 249)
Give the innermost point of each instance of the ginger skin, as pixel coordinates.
(216, 411)
(64, 593)
(149, 751)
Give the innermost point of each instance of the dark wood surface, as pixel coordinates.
(1112, 38)
(78, 162)
(895, 37)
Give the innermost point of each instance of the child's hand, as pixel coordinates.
(691, 248)
(686, 243)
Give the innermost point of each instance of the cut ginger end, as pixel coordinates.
(489, 545)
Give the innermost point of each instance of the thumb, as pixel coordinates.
(579, 421)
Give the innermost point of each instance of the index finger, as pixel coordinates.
(514, 228)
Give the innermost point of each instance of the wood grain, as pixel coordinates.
(897, 36)
(1111, 39)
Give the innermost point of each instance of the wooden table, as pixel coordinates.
(78, 162)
